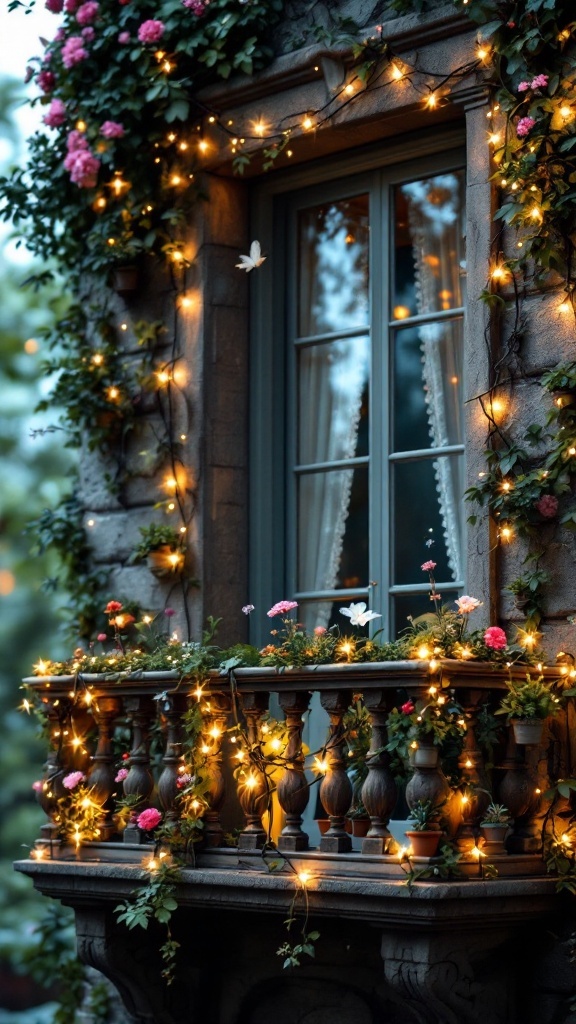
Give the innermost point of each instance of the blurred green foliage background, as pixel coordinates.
(35, 471)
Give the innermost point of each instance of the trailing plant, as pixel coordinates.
(155, 901)
(532, 699)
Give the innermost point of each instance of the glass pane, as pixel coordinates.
(333, 400)
(427, 505)
(414, 605)
(429, 258)
(427, 386)
(333, 530)
(333, 266)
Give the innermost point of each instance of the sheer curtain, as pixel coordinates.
(332, 376)
(438, 251)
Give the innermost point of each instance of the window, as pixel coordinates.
(365, 447)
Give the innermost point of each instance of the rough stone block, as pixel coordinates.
(114, 535)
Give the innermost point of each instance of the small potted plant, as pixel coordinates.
(426, 832)
(494, 826)
(526, 705)
(417, 731)
(162, 548)
(561, 382)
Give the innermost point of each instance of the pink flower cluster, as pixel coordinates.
(55, 6)
(46, 80)
(539, 82)
(148, 819)
(124, 38)
(83, 167)
(56, 114)
(428, 566)
(87, 13)
(122, 774)
(524, 126)
(183, 780)
(547, 506)
(281, 608)
(151, 31)
(71, 6)
(495, 638)
(319, 630)
(73, 51)
(196, 6)
(112, 130)
(71, 781)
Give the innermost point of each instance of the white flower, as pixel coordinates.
(255, 259)
(358, 615)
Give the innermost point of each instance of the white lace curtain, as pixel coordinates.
(434, 210)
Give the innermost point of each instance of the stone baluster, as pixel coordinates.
(255, 788)
(139, 782)
(57, 765)
(172, 707)
(473, 772)
(216, 716)
(379, 792)
(336, 788)
(520, 793)
(293, 790)
(101, 775)
(427, 783)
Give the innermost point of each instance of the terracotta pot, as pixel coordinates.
(528, 731)
(323, 825)
(425, 844)
(359, 826)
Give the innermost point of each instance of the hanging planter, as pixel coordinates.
(528, 731)
(125, 280)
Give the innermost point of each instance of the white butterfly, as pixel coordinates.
(253, 260)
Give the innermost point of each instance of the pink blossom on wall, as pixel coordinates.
(525, 126)
(112, 130)
(56, 115)
(151, 31)
(73, 51)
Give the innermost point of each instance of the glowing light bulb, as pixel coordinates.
(175, 180)
(307, 123)
(423, 652)
(349, 89)
(432, 101)
(304, 877)
(81, 126)
(397, 73)
(320, 765)
(203, 145)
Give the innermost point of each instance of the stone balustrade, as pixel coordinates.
(93, 719)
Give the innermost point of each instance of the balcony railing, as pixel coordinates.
(92, 718)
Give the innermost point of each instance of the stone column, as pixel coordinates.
(293, 789)
(139, 781)
(254, 791)
(379, 792)
(216, 715)
(101, 775)
(336, 788)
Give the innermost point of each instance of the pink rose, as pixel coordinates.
(87, 13)
(55, 6)
(407, 708)
(540, 82)
(319, 630)
(523, 86)
(38, 786)
(112, 130)
(83, 168)
(467, 604)
(56, 114)
(88, 34)
(524, 126)
(76, 140)
(148, 819)
(71, 781)
(151, 31)
(46, 80)
(73, 51)
(122, 774)
(71, 6)
(124, 38)
(547, 506)
(112, 606)
(196, 6)
(281, 608)
(101, 637)
(428, 566)
(495, 638)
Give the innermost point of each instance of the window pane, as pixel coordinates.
(427, 506)
(427, 376)
(333, 266)
(333, 530)
(414, 605)
(428, 245)
(333, 400)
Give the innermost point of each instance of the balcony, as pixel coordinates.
(347, 883)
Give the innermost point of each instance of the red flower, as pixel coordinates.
(495, 638)
(407, 708)
(112, 606)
